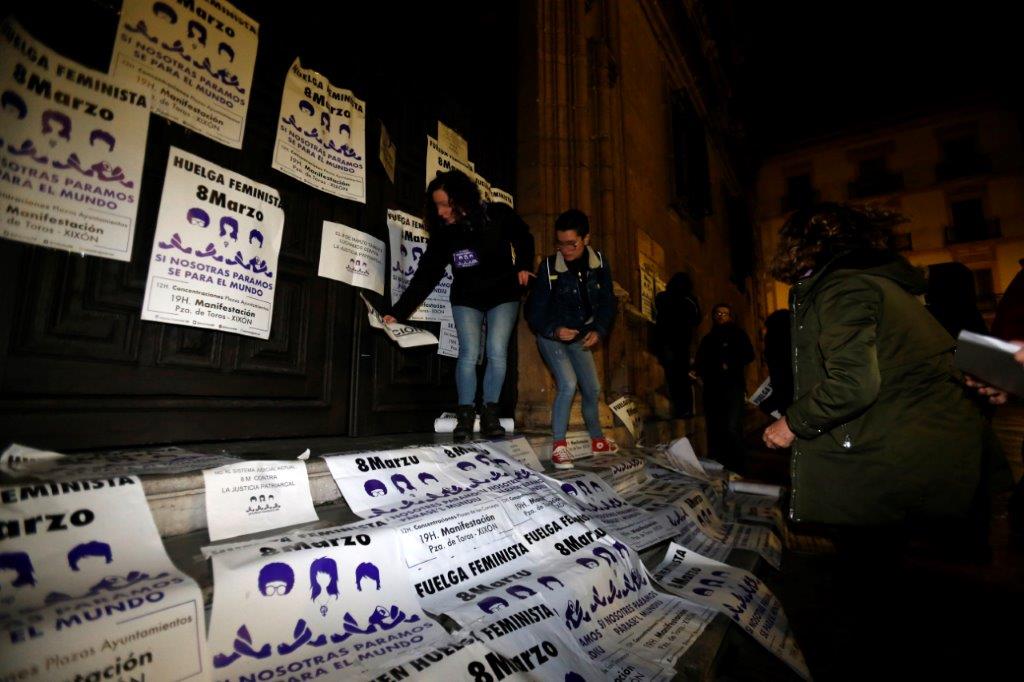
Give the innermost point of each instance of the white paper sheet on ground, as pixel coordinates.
(408, 239)
(628, 412)
(636, 527)
(520, 450)
(198, 60)
(87, 587)
(579, 445)
(758, 539)
(757, 509)
(682, 458)
(340, 606)
(18, 461)
(754, 488)
(387, 153)
(603, 598)
(621, 471)
(71, 156)
(256, 496)
(321, 135)
(213, 263)
(351, 256)
(736, 593)
(447, 421)
(406, 336)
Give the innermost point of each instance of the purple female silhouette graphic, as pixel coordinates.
(587, 562)
(484, 459)
(606, 554)
(103, 136)
(568, 489)
(197, 32)
(325, 121)
(375, 488)
(276, 579)
(59, 121)
(548, 580)
(257, 235)
(583, 487)
(323, 581)
(243, 646)
(574, 677)
(21, 564)
(492, 604)
(424, 477)
(14, 101)
(466, 466)
(520, 591)
(160, 8)
(621, 548)
(307, 107)
(232, 224)
(368, 571)
(224, 48)
(401, 483)
(89, 549)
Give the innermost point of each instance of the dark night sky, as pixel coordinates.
(814, 68)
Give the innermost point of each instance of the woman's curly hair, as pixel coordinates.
(462, 193)
(814, 235)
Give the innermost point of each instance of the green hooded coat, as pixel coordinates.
(884, 431)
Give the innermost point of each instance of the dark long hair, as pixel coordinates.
(462, 193)
(812, 236)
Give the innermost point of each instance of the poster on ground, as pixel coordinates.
(71, 142)
(408, 240)
(351, 256)
(196, 59)
(254, 496)
(19, 461)
(88, 591)
(321, 135)
(214, 258)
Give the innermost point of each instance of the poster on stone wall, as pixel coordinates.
(196, 59)
(88, 591)
(70, 151)
(214, 258)
(321, 135)
(648, 287)
(351, 256)
(439, 160)
(502, 197)
(408, 240)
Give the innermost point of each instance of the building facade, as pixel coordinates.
(957, 176)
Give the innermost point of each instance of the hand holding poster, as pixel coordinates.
(351, 256)
(197, 59)
(214, 259)
(71, 142)
(738, 594)
(321, 135)
(93, 589)
(254, 496)
(406, 336)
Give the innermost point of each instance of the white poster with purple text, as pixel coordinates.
(87, 591)
(408, 240)
(196, 58)
(321, 135)
(71, 142)
(214, 259)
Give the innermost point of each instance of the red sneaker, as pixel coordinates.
(602, 446)
(560, 455)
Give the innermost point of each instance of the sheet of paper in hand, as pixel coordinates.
(736, 593)
(406, 336)
(88, 591)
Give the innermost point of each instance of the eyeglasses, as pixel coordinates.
(568, 246)
(275, 588)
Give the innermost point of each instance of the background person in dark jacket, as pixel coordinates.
(721, 357)
(571, 310)
(490, 250)
(677, 314)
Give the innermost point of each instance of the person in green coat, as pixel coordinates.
(881, 430)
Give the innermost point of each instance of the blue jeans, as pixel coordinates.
(572, 364)
(501, 320)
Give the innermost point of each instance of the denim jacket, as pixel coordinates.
(556, 301)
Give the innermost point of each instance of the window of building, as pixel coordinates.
(874, 178)
(691, 187)
(985, 287)
(961, 157)
(800, 192)
(969, 222)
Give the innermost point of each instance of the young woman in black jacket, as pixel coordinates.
(490, 250)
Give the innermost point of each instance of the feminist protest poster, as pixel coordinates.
(71, 142)
(214, 259)
(254, 496)
(20, 461)
(321, 135)
(736, 593)
(338, 606)
(87, 591)
(405, 335)
(408, 240)
(351, 256)
(196, 59)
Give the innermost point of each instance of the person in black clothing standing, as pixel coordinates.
(721, 357)
(677, 314)
(490, 250)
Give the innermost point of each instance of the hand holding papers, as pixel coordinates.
(991, 361)
(404, 335)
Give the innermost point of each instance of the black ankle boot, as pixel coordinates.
(465, 416)
(490, 427)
